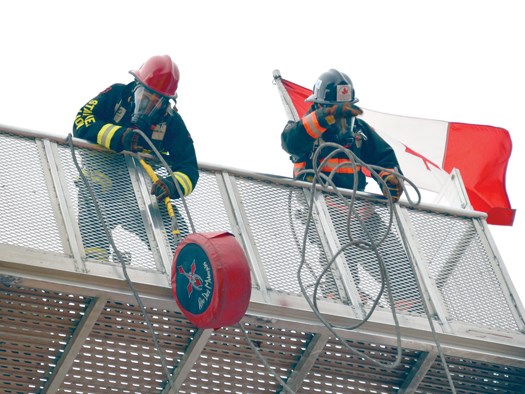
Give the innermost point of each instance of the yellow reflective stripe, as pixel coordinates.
(106, 133)
(185, 182)
(312, 126)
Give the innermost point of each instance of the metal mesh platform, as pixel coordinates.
(69, 322)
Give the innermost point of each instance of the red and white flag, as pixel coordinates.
(428, 150)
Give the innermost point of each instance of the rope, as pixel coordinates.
(100, 216)
(327, 183)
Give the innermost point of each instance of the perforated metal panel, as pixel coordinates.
(370, 239)
(277, 218)
(473, 376)
(27, 217)
(36, 325)
(461, 269)
(108, 179)
(207, 198)
(117, 354)
(343, 371)
(229, 362)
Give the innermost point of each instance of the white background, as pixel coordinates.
(457, 61)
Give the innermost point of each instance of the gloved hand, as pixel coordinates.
(337, 111)
(164, 187)
(393, 185)
(130, 141)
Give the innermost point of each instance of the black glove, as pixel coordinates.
(327, 116)
(164, 187)
(393, 185)
(130, 141)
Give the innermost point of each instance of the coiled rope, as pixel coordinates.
(327, 184)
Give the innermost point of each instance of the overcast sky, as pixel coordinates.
(448, 60)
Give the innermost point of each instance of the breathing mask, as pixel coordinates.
(149, 107)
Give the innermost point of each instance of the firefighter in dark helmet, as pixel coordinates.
(333, 118)
(109, 119)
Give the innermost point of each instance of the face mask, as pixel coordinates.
(345, 127)
(149, 107)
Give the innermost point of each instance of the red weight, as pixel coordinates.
(211, 279)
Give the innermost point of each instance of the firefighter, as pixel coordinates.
(333, 117)
(148, 103)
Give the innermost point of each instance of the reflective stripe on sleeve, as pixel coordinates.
(298, 167)
(331, 164)
(185, 182)
(312, 126)
(106, 133)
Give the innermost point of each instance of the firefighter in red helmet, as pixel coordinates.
(109, 119)
(148, 103)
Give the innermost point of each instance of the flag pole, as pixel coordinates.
(291, 112)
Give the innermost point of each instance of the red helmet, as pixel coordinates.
(159, 74)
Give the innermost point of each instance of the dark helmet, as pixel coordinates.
(159, 74)
(333, 87)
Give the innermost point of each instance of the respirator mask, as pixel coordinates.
(149, 107)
